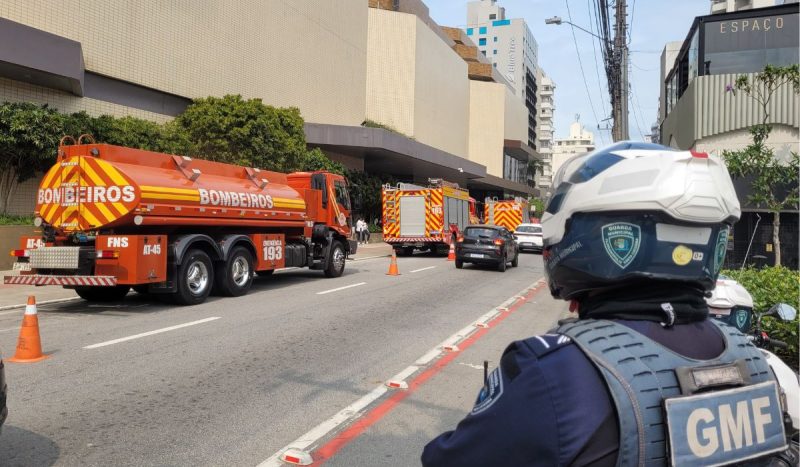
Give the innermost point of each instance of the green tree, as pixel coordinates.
(314, 159)
(537, 205)
(774, 182)
(534, 167)
(245, 132)
(29, 136)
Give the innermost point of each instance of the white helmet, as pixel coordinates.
(731, 302)
(637, 210)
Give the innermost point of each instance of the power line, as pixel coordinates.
(580, 63)
(596, 63)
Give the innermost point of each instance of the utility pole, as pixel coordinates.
(619, 95)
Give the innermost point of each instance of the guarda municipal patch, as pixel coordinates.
(490, 393)
(621, 241)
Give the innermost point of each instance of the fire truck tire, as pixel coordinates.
(459, 264)
(515, 261)
(103, 294)
(235, 276)
(501, 266)
(336, 264)
(195, 278)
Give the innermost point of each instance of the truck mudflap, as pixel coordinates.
(35, 279)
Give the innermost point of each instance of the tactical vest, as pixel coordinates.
(653, 387)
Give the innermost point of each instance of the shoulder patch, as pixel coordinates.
(490, 393)
(546, 343)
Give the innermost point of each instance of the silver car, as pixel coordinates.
(529, 237)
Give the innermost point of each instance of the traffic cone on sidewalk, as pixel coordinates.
(451, 255)
(393, 271)
(29, 345)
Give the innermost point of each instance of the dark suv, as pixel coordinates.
(486, 244)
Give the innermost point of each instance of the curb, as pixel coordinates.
(46, 302)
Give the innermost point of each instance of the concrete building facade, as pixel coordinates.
(341, 63)
(545, 130)
(700, 112)
(579, 141)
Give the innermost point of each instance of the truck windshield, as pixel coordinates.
(341, 193)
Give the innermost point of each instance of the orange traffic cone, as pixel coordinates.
(393, 271)
(29, 346)
(451, 255)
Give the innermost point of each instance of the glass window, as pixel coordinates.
(482, 41)
(482, 30)
(493, 16)
(342, 197)
(480, 232)
(693, 57)
(494, 52)
(501, 22)
(495, 38)
(469, 31)
(529, 229)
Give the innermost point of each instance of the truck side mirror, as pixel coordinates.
(783, 311)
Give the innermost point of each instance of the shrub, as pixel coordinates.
(769, 286)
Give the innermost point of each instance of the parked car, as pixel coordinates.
(529, 237)
(486, 244)
(3, 395)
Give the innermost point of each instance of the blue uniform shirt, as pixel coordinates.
(546, 404)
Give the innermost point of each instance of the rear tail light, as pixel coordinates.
(19, 253)
(499, 242)
(107, 254)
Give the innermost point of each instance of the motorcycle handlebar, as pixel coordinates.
(779, 344)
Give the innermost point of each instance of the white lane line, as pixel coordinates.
(356, 409)
(370, 257)
(423, 269)
(327, 426)
(150, 333)
(340, 288)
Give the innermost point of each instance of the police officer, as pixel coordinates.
(634, 237)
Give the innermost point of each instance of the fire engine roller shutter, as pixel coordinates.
(412, 216)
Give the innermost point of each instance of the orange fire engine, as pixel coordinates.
(507, 213)
(113, 218)
(429, 218)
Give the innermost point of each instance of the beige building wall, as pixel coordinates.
(309, 54)
(416, 83)
(515, 117)
(487, 125)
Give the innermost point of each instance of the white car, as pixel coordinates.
(529, 237)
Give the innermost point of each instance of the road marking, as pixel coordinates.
(370, 257)
(150, 333)
(367, 418)
(340, 288)
(423, 269)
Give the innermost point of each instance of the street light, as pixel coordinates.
(558, 21)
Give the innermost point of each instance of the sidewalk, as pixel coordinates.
(12, 296)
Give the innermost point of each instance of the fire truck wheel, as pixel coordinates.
(103, 294)
(234, 277)
(336, 264)
(515, 261)
(195, 278)
(501, 266)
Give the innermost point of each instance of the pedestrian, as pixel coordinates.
(634, 237)
(360, 226)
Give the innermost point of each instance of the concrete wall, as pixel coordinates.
(707, 116)
(305, 53)
(515, 117)
(487, 125)
(9, 240)
(415, 82)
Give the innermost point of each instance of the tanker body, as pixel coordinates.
(114, 218)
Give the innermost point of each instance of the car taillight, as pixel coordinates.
(499, 242)
(107, 254)
(19, 253)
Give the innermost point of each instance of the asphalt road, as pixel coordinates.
(243, 377)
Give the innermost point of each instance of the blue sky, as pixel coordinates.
(654, 23)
